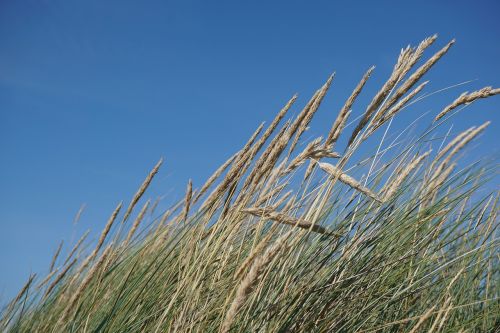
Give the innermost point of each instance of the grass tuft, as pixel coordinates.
(280, 239)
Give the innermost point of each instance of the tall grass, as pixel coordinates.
(293, 236)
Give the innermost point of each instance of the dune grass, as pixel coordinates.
(293, 236)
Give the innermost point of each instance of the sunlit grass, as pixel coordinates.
(292, 236)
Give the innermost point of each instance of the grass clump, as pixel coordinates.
(281, 239)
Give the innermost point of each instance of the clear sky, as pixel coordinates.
(93, 93)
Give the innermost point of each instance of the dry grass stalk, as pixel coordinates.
(303, 156)
(161, 228)
(229, 183)
(428, 64)
(243, 194)
(288, 206)
(7, 312)
(252, 139)
(422, 319)
(243, 153)
(436, 182)
(47, 278)
(261, 166)
(402, 67)
(251, 257)
(267, 134)
(107, 228)
(155, 205)
(240, 172)
(419, 73)
(282, 199)
(413, 58)
(302, 115)
(394, 185)
(383, 118)
(56, 255)
(480, 216)
(395, 76)
(79, 214)
(187, 200)
(265, 196)
(321, 153)
(24, 289)
(465, 140)
(303, 224)
(310, 112)
(346, 110)
(233, 173)
(440, 314)
(261, 161)
(268, 193)
(136, 223)
(309, 170)
(59, 277)
(273, 157)
(100, 242)
(268, 213)
(348, 180)
(81, 288)
(165, 216)
(275, 123)
(419, 51)
(268, 154)
(213, 178)
(445, 315)
(274, 175)
(337, 130)
(251, 279)
(142, 189)
(466, 99)
(453, 142)
(313, 150)
(77, 245)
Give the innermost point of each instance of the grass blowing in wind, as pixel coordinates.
(281, 239)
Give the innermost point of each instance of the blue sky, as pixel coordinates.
(93, 93)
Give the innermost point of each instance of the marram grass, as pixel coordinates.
(293, 236)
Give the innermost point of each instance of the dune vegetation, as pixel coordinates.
(295, 235)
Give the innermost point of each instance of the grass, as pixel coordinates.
(289, 236)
